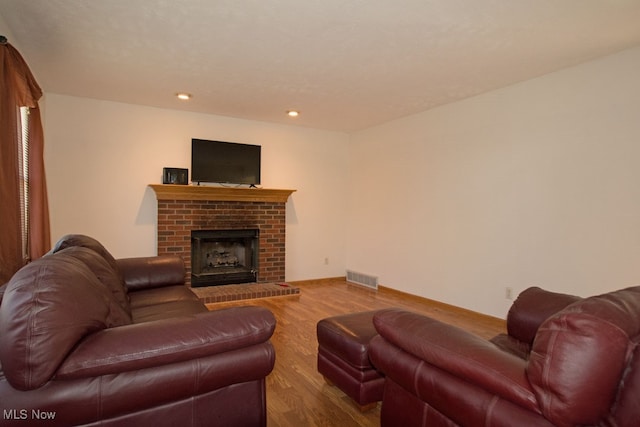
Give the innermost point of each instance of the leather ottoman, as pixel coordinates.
(343, 357)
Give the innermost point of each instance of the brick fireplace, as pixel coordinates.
(184, 208)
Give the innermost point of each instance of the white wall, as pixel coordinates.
(535, 184)
(4, 30)
(100, 156)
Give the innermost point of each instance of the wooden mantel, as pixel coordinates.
(203, 192)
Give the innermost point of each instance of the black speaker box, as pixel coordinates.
(175, 176)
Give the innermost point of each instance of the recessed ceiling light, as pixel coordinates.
(184, 96)
(293, 113)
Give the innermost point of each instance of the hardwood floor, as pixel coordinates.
(297, 395)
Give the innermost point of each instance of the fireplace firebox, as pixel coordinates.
(223, 257)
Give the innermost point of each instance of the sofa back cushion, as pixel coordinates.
(580, 354)
(532, 307)
(48, 307)
(108, 277)
(626, 410)
(81, 240)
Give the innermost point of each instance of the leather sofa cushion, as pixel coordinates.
(163, 295)
(163, 303)
(107, 276)
(170, 341)
(450, 349)
(532, 307)
(579, 356)
(48, 307)
(143, 273)
(511, 345)
(86, 242)
(168, 310)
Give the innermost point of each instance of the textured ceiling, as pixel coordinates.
(345, 64)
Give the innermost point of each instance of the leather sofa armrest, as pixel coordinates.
(457, 352)
(532, 307)
(162, 342)
(151, 272)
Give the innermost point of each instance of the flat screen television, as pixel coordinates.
(225, 162)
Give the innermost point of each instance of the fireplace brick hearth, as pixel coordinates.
(181, 210)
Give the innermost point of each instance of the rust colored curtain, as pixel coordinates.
(20, 89)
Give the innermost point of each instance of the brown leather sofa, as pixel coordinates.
(566, 361)
(89, 340)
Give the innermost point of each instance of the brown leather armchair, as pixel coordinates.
(89, 340)
(566, 361)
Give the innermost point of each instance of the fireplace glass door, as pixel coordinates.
(222, 257)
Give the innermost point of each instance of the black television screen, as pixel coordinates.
(225, 162)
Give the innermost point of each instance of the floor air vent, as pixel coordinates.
(362, 279)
